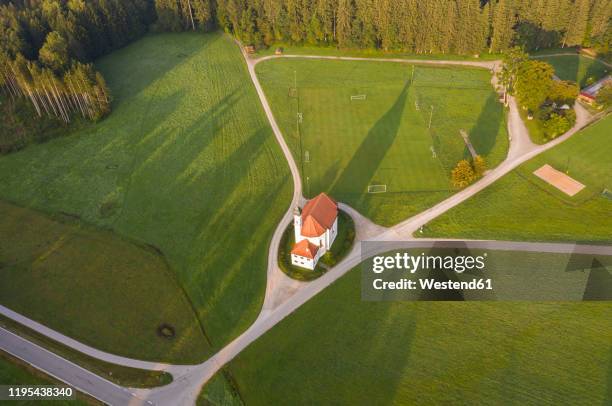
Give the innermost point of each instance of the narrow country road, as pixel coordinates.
(284, 295)
(65, 371)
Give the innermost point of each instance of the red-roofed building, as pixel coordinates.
(589, 93)
(315, 226)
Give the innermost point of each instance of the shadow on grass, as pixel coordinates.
(595, 70)
(599, 283)
(483, 134)
(361, 169)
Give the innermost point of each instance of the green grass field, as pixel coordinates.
(577, 68)
(15, 372)
(106, 300)
(186, 163)
(346, 145)
(338, 349)
(520, 206)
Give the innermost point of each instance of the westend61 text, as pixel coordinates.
(432, 284)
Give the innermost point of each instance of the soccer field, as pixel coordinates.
(354, 124)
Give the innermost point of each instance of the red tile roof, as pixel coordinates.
(305, 248)
(318, 215)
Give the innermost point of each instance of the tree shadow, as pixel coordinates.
(365, 162)
(532, 36)
(596, 70)
(483, 134)
(599, 283)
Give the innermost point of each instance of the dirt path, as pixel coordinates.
(283, 295)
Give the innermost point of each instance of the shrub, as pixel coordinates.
(329, 259)
(463, 174)
(556, 125)
(604, 97)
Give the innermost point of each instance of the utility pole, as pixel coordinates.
(297, 120)
(430, 116)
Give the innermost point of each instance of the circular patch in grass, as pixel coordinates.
(108, 208)
(166, 331)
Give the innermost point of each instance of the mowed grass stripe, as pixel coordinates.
(196, 173)
(383, 139)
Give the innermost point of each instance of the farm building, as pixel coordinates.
(316, 227)
(589, 93)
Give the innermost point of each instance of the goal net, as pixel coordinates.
(377, 188)
(607, 194)
(358, 97)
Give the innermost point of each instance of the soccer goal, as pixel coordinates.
(307, 156)
(433, 152)
(377, 188)
(607, 194)
(358, 97)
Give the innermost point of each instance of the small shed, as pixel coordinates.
(279, 51)
(250, 49)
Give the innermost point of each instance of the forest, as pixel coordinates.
(47, 47)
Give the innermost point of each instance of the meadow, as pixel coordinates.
(577, 68)
(520, 206)
(102, 299)
(186, 165)
(338, 349)
(343, 145)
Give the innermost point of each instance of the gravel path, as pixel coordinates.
(284, 295)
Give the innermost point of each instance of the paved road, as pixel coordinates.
(66, 371)
(283, 295)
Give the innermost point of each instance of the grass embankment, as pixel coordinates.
(577, 68)
(94, 286)
(13, 371)
(338, 349)
(520, 206)
(340, 248)
(125, 376)
(186, 163)
(345, 145)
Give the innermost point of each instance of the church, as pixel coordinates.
(316, 228)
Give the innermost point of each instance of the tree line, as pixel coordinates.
(432, 26)
(47, 46)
